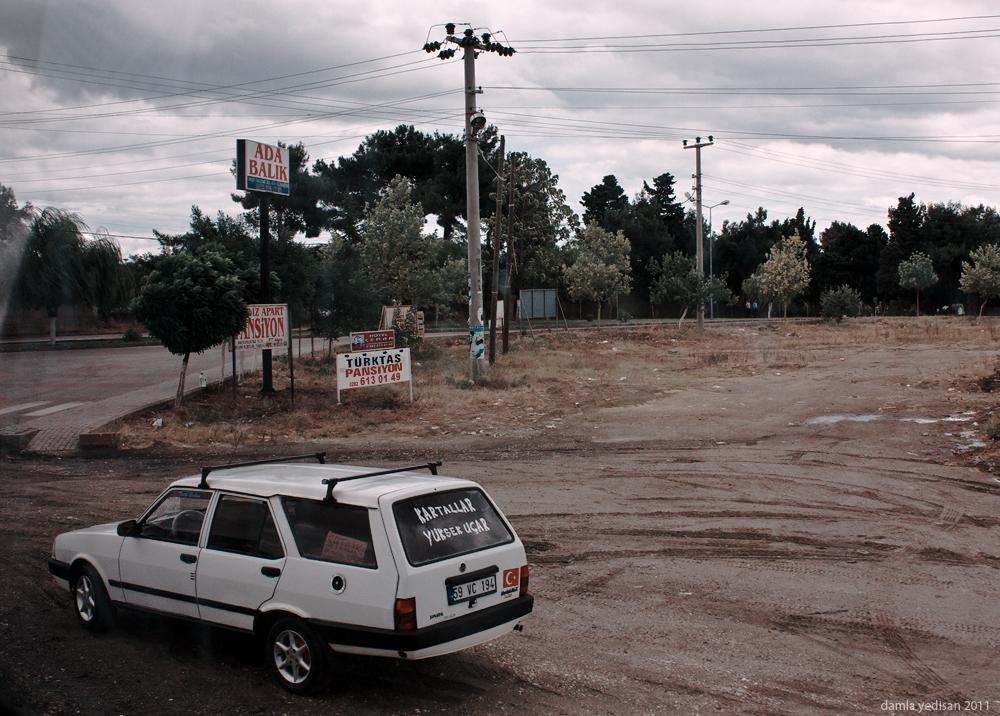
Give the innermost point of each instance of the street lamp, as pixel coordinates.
(711, 244)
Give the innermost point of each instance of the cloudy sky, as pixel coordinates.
(127, 112)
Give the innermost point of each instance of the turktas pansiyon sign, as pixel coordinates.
(373, 368)
(261, 167)
(267, 327)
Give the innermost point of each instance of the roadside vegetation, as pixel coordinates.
(545, 380)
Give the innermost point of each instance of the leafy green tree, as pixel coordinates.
(950, 232)
(905, 222)
(849, 256)
(742, 247)
(50, 275)
(602, 198)
(434, 164)
(110, 285)
(346, 299)
(678, 280)
(451, 288)
(14, 220)
(191, 303)
(14, 223)
(982, 276)
(917, 273)
(228, 236)
(671, 211)
(395, 253)
(601, 270)
(839, 303)
(654, 223)
(542, 224)
(785, 274)
(292, 269)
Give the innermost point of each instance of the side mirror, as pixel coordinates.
(128, 528)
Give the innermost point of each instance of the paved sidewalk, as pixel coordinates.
(61, 431)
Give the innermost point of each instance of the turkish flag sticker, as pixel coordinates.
(511, 578)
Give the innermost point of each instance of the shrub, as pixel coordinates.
(839, 303)
(406, 329)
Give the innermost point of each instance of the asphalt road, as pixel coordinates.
(49, 379)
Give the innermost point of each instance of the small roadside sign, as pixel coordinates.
(373, 368)
(373, 340)
(267, 327)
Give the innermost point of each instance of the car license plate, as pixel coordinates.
(472, 590)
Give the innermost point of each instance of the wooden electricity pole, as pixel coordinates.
(495, 279)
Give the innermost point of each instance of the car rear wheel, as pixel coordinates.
(297, 657)
(94, 610)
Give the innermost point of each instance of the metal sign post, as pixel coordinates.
(263, 168)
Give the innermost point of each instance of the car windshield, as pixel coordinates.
(447, 524)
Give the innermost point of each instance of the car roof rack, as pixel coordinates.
(332, 482)
(318, 456)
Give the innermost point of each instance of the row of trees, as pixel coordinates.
(374, 204)
(46, 262)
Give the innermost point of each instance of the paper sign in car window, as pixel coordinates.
(346, 550)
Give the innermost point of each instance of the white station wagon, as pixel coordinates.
(315, 559)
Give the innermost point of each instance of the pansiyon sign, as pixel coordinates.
(267, 327)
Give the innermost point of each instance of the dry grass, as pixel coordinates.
(540, 381)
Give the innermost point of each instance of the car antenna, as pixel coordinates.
(332, 482)
(318, 456)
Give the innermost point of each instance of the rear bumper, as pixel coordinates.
(442, 638)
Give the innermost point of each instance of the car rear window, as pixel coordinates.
(448, 524)
(330, 532)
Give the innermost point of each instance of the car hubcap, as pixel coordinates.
(292, 657)
(85, 599)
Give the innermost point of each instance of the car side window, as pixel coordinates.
(178, 517)
(330, 532)
(244, 525)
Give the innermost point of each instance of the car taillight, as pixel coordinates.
(406, 614)
(524, 580)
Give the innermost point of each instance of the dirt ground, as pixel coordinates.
(783, 520)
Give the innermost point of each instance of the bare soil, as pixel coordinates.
(778, 519)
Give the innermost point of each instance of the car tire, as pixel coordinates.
(93, 607)
(298, 659)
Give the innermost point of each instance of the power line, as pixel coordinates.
(770, 44)
(774, 29)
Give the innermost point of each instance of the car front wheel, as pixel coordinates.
(297, 657)
(93, 606)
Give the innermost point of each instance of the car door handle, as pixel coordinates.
(189, 558)
(270, 571)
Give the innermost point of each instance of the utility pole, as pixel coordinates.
(700, 248)
(475, 121)
(711, 250)
(509, 306)
(495, 278)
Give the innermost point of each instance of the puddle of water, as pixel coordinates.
(831, 419)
